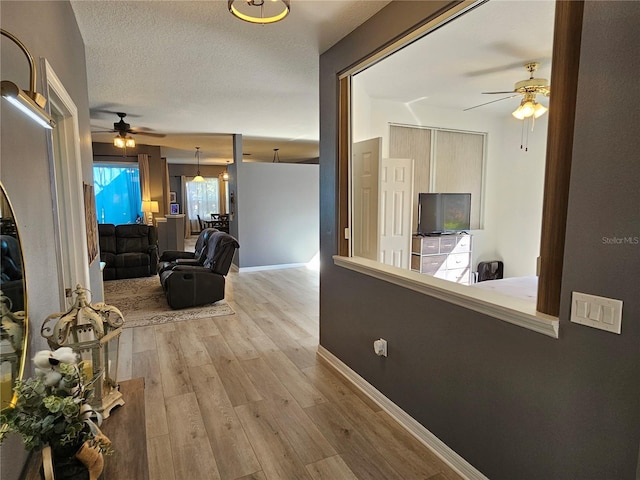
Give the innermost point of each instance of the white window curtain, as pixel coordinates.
(203, 199)
(222, 203)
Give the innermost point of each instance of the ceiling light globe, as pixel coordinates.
(539, 110)
(517, 113)
(527, 109)
(119, 142)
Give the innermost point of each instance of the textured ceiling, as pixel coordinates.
(190, 68)
(192, 71)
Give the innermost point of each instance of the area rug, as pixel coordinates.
(142, 303)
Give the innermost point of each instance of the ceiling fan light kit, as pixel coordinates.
(121, 141)
(529, 88)
(259, 11)
(529, 107)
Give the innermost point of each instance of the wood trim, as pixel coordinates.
(402, 418)
(502, 307)
(344, 142)
(564, 81)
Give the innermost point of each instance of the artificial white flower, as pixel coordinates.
(47, 364)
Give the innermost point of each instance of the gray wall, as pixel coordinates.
(277, 213)
(49, 30)
(515, 404)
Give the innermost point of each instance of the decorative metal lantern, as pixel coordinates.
(12, 336)
(93, 331)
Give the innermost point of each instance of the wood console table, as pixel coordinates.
(126, 429)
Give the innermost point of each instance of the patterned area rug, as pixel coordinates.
(142, 303)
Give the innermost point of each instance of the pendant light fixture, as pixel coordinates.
(198, 177)
(259, 11)
(225, 174)
(31, 103)
(276, 157)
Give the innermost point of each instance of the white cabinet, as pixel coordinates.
(443, 256)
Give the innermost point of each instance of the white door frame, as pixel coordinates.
(70, 238)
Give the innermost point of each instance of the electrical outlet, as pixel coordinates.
(597, 312)
(380, 347)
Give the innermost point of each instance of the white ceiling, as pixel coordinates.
(192, 71)
(482, 51)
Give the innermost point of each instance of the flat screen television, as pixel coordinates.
(441, 213)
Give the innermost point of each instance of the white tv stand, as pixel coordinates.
(446, 256)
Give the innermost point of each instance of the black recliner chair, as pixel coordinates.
(191, 286)
(171, 258)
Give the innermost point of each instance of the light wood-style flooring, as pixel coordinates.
(245, 397)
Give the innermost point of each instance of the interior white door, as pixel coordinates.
(365, 177)
(396, 211)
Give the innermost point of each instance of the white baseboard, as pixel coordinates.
(271, 267)
(446, 454)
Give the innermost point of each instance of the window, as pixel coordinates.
(117, 190)
(202, 198)
(566, 50)
(460, 139)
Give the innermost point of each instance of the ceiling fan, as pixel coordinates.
(123, 129)
(528, 89)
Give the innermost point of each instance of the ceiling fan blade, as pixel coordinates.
(496, 69)
(104, 110)
(502, 93)
(493, 101)
(149, 134)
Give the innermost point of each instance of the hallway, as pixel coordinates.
(245, 397)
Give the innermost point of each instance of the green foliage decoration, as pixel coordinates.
(57, 415)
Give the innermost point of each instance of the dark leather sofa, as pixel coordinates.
(193, 285)
(129, 250)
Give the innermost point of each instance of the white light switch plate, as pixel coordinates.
(597, 312)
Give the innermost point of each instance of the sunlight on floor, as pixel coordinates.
(314, 263)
